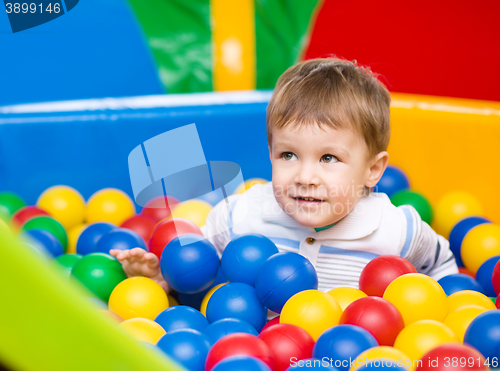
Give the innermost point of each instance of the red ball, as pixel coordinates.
(497, 302)
(159, 207)
(270, 323)
(495, 278)
(442, 359)
(166, 230)
(287, 341)
(24, 214)
(141, 224)
(376, 315)
(381, 271)
(239, 344)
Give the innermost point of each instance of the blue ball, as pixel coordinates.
(392, 181)
(458, 233)
(226, 326)
(237, 300)
(241, 363)
(244, 255)
(459, 282)
(485, 273)
(181, 317)
(91, 235)
(189, 263)
(195, 300)
(45, 241)
(282, 276)
(343, 343)
(120, 239)
(483, 334)
(188, 347)
(311, 363)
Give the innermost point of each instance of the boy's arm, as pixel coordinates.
(428, 252)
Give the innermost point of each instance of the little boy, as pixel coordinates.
(328, 129)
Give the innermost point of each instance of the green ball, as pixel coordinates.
(9, 204)
(100, 273)
(50, 225)
(67, 262)
(419, 202)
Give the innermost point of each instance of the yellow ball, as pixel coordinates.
(193, 210)
(143, 329)
(479, 244)
(171, 301)
(417, 297)
(138, 297)
(314, 311)
(460, 319)
(346, 295)
(204, 303)
(243, 187)
(451, 208)
(109, 205)
(383, 352)
(73, 235)
(63, 203)
(421, 337)
(466, 298)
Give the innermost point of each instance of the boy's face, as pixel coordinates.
(331, 166)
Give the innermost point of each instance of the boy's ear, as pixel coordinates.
(377, 168)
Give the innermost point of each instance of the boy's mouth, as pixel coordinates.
(307, 199)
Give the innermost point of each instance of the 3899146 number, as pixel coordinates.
(17, 8)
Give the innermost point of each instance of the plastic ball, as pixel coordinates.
(50, 225)
(195, 300)
(9, 204)
(90, 236)
(286, 342)
(466, 272)
(119, 239)
(386, 353)
(453, 207)
(244, 255)
(460, 319)
(194, 210)
(495, 278)
(484, 334)
(109, 205)
(204, 303)
(239, 344)
(21, 216)
(181, 317)
(237, 300)
(450, 357)
(64, 203)
(459, 282)
(343, 343)
(241, 363)
(392, 181)
(458, 233)
(47, 241)
(312, 310)
(417, 297)
(138, 297)
(140, 224)
(415, 199)
(419, 337)
(166, 230)
(346, 295)
(271, 322)
(143, 329)
(245, 186)
(227, 326)
(484, 275)
(481, 243)
(376, 315)
(66, 262)
(159, 207)
(100, 273)
(189, 263)
(73, 236)
(283, 275)
(381, 271)
(465, 298)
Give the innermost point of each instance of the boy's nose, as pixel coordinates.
(307, 176)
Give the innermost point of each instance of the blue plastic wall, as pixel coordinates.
(85, 144)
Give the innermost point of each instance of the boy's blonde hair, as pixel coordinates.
(333, 92)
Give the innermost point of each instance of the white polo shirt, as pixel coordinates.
(374, 227)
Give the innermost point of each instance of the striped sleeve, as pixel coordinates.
(428, 252)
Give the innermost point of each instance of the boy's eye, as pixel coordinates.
(288, 156)
(329, 158)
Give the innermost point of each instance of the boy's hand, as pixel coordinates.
(139, 262)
